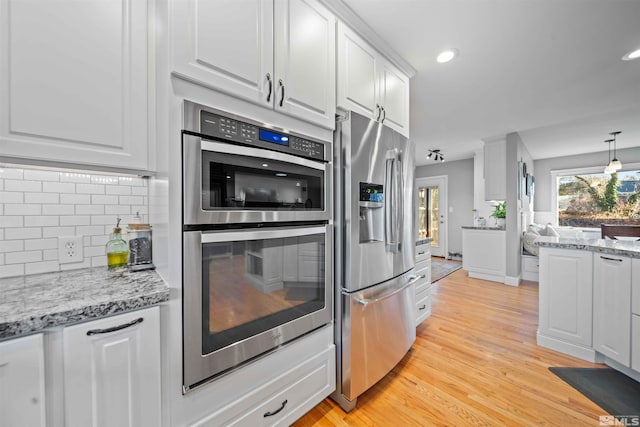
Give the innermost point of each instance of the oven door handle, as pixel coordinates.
(226, 148)
(260, 234)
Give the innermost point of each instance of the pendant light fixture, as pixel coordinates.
(609, 169)
(615, 163)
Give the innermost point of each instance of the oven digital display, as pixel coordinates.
(276, 138)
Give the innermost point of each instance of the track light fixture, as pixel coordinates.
(436, 155)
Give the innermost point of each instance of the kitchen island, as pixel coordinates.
(484, 253)
(589, 300)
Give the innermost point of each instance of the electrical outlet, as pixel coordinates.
(70, 249)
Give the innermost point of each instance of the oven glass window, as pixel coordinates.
(248, 183)
(252, 286)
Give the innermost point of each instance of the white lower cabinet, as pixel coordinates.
(635, 342)
(112, 371)
(484, 254)
(566, 295)
(423, 284)
(22, 401)
(282, 400)
(612, 307)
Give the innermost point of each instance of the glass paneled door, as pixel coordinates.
(431, 193)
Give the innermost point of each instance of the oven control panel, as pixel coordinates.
(221, 127)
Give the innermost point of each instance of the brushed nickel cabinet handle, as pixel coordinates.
(115, 328)
(379, 108)
(270, 87)
(384, 116)
(282, 86)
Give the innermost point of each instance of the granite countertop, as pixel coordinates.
(486, 227)
(423, 241)
(613, 247)
(33, 303)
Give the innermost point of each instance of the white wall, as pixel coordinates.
(460, 196)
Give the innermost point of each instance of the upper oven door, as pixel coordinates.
(228, 183)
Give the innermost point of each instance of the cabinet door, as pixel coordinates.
(612, 307)
(635, 286)
(495, 170)
(74, 82)
(112, 371)
(635, 342)
(394, 97)
(566, 295)
(226, 45)
(22, 382)
(305, 61)
(357, 74)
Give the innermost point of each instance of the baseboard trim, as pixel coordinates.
(512, 281)
(584, 353)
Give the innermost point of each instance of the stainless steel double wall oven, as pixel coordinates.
(257, 240)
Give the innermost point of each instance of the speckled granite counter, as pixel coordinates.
(486, 227)
(613, 247)
(33, 303)
(423, 241)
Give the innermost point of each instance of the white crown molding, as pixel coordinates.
(355, 22)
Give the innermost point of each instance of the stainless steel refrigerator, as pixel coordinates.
(374, 256)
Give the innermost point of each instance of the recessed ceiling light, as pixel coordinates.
(631, 55)
(447, 55)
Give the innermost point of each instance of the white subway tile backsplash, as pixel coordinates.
(90, 210)
(42, 267)
(11, 245)
(123, 190)
(7, 221)
(58, 210)
(91, 230)
(23, 209)
(58, 187)
(23, 233)
(58, 231)
(36, 244)
(104, 200)
(51, 198)
(15, 185)
(11, 197)
(117, 210)
(131, 200)
(11, 173)
(37, 206)
(75, 220)
(89, 189)
(12, 270)
(41, 221)
(75, 199)
(40, 175)
(23, 257)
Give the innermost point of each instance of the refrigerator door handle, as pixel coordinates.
(389, 235)
(366, 301)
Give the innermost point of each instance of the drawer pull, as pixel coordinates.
(271, 414)
(422, 307)
(610, 259)
(421, 253)
(424, 276)
(115, 328)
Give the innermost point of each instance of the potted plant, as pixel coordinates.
(500, 213)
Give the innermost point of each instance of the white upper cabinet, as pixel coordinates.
(369, 84)
(276, 53)
(495, 169)
(74, 82)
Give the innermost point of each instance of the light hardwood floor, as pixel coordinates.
(475, 362)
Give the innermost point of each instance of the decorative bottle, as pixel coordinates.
(117, 249)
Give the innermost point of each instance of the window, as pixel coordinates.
(589, 199)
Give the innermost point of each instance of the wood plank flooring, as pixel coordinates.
(475, 362)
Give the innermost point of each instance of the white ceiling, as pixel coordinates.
(550, 70)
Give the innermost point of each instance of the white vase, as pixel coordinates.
(500, 222)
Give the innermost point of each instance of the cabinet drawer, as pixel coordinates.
(284, 399)
(423, 309)
(423, 252)
(530, 264)
(423, 291)
(423, 271)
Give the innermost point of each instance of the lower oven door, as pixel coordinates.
(245, 292)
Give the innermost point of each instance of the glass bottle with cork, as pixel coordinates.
(139, 245)
(117, 249)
